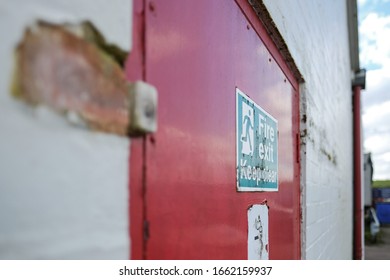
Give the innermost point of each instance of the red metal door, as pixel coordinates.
(183, 198)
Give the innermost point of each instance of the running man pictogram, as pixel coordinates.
(247, 129)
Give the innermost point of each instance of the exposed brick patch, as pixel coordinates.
(61, 69)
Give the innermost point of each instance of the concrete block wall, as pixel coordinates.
(63, 189)
(316, 33)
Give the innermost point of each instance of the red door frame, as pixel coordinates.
(267, 40)
(135, 68)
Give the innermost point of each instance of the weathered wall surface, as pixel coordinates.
(317, 36)
(63, 189)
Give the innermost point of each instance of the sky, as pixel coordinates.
(374, 47)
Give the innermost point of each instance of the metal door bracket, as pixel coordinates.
(143, 108)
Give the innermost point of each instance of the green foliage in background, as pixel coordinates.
(381, 184)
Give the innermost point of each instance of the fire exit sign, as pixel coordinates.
(256, 146)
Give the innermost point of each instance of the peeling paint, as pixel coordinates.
(258, 246)
(331, 156)
(304, 118)
(78, 73)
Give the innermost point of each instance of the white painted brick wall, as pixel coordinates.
(63, 190)
(316, 33)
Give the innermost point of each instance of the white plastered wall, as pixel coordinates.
(63, 189)
(316, 33)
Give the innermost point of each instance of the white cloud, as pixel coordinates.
(381, 169)
(374, 35)
(378, 88)
(376, 122)
(362, 2)
(377, 113)
(385, 157)
(374, 32)
(377, 144)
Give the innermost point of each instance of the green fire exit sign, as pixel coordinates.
(256, 146)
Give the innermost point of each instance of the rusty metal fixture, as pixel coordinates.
(71, 69)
